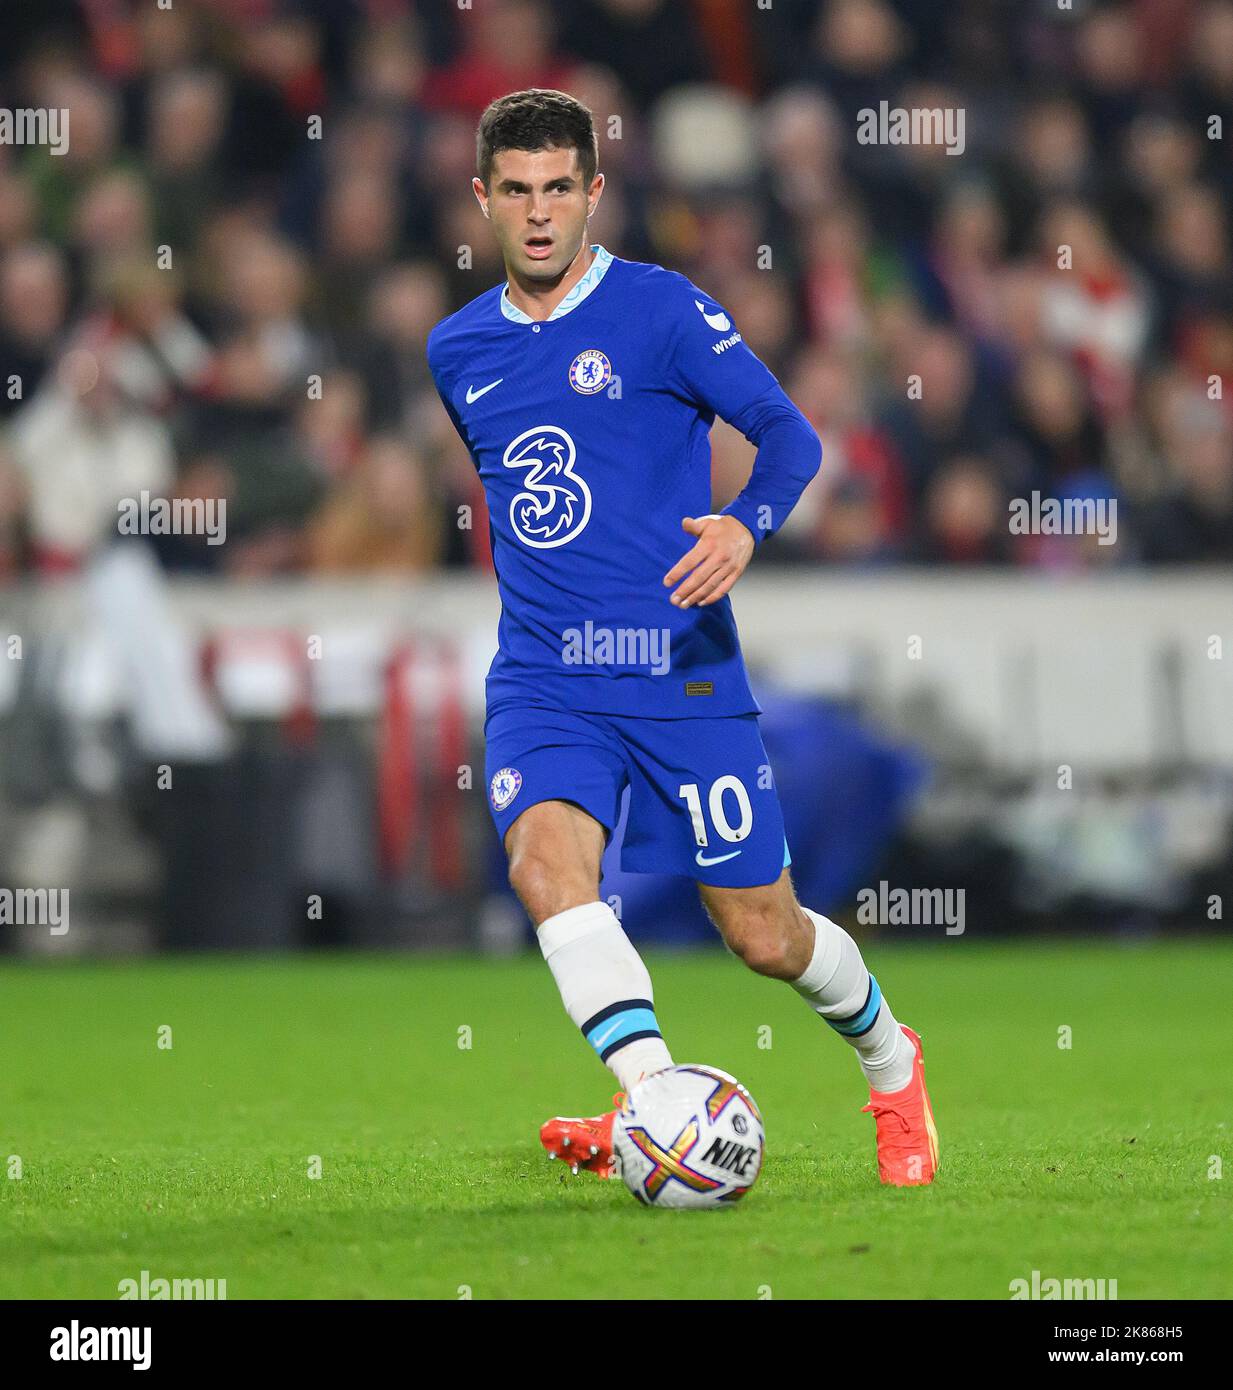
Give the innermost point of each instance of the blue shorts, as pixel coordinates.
(702, 800)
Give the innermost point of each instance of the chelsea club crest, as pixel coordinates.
(505, 786)
(590, 372)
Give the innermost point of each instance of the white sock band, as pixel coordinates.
(839, 988)
(605, 988)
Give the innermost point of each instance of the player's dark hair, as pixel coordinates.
(536, 119)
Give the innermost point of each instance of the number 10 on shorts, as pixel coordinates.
(688, 792)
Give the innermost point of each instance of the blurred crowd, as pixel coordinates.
(224, 288)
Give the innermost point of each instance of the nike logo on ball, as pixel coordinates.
(700, 858)
(474, 395)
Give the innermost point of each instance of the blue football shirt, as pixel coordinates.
(590, 434)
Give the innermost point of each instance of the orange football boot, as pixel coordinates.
(907, 1136)
(585, 1144)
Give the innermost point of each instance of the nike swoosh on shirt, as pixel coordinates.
(700, 858)
(474, 395)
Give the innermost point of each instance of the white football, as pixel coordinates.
(689, 1136)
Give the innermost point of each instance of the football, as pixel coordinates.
(690, 1136)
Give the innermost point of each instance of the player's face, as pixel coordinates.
(538, 206)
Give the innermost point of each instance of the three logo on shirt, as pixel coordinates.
(555, 503)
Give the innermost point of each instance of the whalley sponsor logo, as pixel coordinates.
(647, 648)
(35, 907)
(36, 126)
(145, 515)
(920, 125)
(159, 1290)
(1047, 1289)
(78, 1343)
(1074, 516)
(885, 906)
(725, 343)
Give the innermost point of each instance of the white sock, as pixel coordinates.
(837, 986)
(606, 989)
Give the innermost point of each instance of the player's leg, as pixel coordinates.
(775, 936)
(554, 851)
(555, 779)
(702, 802)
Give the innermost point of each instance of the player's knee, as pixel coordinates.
(765, 928)
(530, 876)
(545, 886)
(766, 948)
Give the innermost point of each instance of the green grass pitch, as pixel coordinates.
(1096, 1161)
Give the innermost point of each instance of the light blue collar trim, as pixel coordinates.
(584, 287)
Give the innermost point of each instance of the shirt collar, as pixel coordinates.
(598, 269)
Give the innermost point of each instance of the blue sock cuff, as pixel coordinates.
(623, 1022)
(865, 1017)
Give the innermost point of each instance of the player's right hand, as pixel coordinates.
(715, 563)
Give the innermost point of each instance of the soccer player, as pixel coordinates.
(585, 388)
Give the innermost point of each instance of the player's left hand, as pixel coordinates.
(714, 564)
